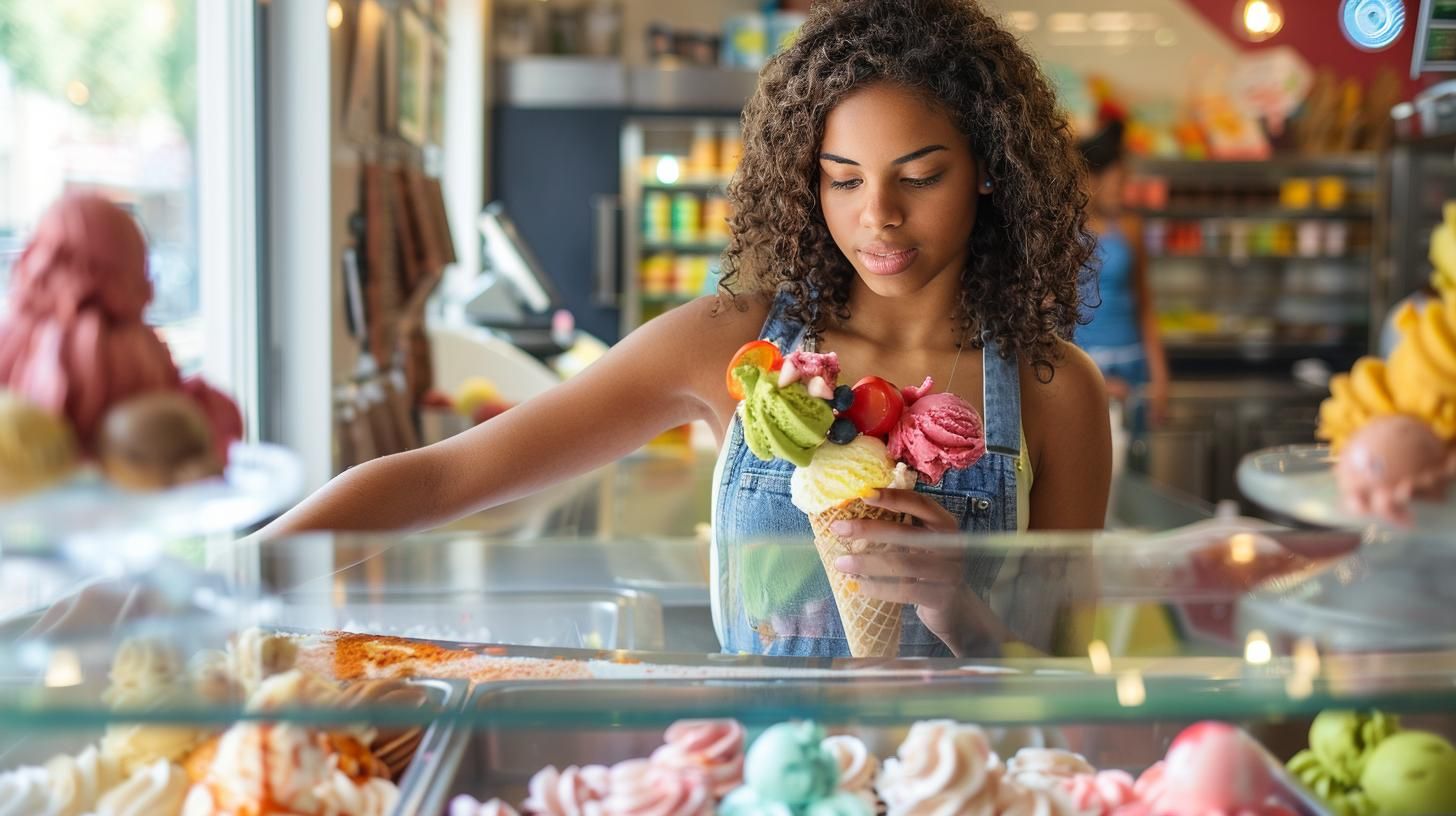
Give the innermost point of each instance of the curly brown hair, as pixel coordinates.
(1029, 246)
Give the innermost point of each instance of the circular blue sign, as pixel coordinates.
(1372, 24)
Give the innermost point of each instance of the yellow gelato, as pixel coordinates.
(843, 473)
(37, 448)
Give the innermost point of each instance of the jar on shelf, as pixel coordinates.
(1331, 193)
(715, 218)
(1337, 238)
(687, 218)
(703, 159)
(730, 150)
(657, 217)
(1309, 239)
(657, 272)
(1296, 194)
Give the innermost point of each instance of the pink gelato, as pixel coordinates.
(640, 787)
(942, 767)
(568, 792)
(468, 806)
(74, 341)
(1100, 793)
(1212, 767)
(857, 767)
(1391, 461)
(712, 747)
(936, 433)
(818, 372)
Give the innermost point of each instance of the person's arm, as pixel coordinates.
(665, 374)
(1071, 444)
(1157, 357)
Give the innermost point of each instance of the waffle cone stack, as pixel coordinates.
(871, 625)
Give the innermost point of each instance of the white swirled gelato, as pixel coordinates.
(944, 768)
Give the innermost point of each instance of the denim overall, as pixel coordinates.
(772, 596)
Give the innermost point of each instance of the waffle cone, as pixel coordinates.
(871, 625)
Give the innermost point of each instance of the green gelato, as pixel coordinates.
(788, 770)
(1343, 740)
(781, 423)
(1411, 772)
(1342, 799)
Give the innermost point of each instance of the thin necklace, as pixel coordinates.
(810, 343)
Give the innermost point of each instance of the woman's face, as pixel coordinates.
(898, 187)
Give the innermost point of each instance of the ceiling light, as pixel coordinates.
(1023, 20)
(1260, 19)
(1067, 22)
(1111, 21)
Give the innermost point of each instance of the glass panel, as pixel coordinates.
(1218, 619)
(102, 96)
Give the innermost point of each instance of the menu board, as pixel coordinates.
(1435, 46)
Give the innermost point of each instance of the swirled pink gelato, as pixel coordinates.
(74, 341)
(1100, 793)
(568, 792)
(936, 433)
(640, 787)
(1045, 768)
(857, 766)
(465, 805)
(712, 747)
(943, 767)
(818, 372)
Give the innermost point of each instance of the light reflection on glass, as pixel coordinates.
(1101, 658)
(1256, 648)
(1131, 692)
(64, 669)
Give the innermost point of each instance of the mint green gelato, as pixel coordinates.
(1412, 772)
(781, 423)
(787, 770)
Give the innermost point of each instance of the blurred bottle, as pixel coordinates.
(1330, 192)
(602, 29)
(745, 42)
(703, 158)
(730, 150)
(687, 218)
(657, 217)
(715, 218)
(656, 274)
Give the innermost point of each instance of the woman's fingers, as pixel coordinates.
(920, 566)
(917, 505)
(925, 594)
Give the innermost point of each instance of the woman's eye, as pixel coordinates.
(923, 182)
(848, 184)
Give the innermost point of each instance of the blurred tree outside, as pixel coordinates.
(120, 59)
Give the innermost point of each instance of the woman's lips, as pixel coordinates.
(886, 260)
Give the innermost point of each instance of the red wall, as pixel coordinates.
(1312, 27)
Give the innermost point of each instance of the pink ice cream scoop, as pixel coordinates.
(818, 372)
(568, 792)
(74, 341)
(712, 747)
(1391, 461)
(639, 787)
(936, 433)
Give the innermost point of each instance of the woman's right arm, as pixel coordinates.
(667, 373)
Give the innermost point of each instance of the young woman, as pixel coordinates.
(910, 198)
(1121, 334)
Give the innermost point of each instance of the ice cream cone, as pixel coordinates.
(871, 625)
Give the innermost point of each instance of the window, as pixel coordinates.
(102, 95)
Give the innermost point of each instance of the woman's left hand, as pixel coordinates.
(933, 579)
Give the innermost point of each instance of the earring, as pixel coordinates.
(986, 186)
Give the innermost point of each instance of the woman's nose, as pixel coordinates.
(881, 209)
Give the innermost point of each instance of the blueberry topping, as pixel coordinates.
(843, 398)
(842, 432)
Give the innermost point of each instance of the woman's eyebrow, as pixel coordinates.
(908, 157)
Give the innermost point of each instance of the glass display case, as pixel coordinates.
(434, 663)
(1422, 178)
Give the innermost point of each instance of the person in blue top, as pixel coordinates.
(910, 198)
(1121, 335)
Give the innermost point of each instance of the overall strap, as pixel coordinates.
(1002, 400)
(780, 327)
